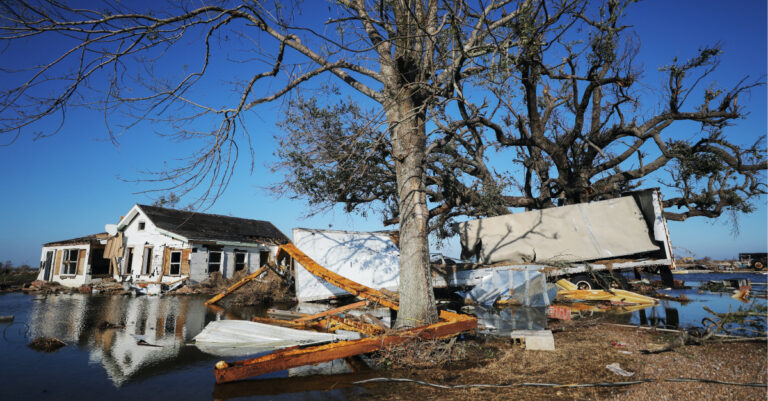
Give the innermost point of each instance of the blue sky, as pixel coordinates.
(67, 185)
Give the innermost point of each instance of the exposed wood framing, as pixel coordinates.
(451, 325)
(233, 287)
(334, 311)
(327, 324)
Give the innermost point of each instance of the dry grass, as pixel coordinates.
(580, 357)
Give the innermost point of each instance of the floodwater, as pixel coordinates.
(674, 314)
(109, 364)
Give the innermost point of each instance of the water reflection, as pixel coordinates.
(165, 323)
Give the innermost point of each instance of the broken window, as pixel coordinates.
(214, 261)
(263, 257)
(99, 265)
(69, 262)
(128, 261)
(142, 225)
(175, 268)
(146, 264)
(239, 260)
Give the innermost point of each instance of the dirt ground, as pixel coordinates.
(581, 356)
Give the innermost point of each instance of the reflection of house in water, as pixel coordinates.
(166, 322)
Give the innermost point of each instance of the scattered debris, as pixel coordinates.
(682, 298)
(450, 325)
(558, 385)
(146, 344)
(526, 287)
(46, 344)
(615, 368)
(558, 312)
(571, 292)
(235, 286)
(420, 354)
(534, 340)
(105, 325)
(726, 285)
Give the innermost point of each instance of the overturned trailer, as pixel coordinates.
(576, 241)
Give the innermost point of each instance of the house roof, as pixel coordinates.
(196, 226)
(80, 240)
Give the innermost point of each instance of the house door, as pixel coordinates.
(47, 267)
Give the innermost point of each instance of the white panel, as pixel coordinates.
(585, 231)
(371, 259)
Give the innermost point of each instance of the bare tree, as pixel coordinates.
(406, 56)
(571, 114)
(579, 127)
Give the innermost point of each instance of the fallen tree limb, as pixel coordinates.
(555, 385)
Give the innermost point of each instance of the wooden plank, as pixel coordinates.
(80, 262)
(328, 324)
(332, 311)
(166, 263)
(57, 266)
(185, 262)
(292, 357)
(344, 283)
(233, 287)
(451, 324)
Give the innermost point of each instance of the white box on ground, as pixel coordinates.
(537, 340)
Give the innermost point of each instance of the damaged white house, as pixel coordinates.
(154, 244)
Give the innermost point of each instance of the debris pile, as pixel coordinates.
(46, 287)
(375, 335)
(46, 344)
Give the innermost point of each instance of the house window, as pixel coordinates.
(263, 257)
(142, 225)
(175, 269)
(128, 261)
(69, 262)
(146, 264)
(239, 260)
(214, 262)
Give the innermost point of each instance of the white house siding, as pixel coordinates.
(199, 259)
(138, 240)
(67, 280)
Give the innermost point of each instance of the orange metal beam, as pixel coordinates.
(451, 324)
(288, 358)
(344, 283)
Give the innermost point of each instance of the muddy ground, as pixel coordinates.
(581, 355)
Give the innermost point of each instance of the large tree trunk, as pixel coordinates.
(417, 299)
